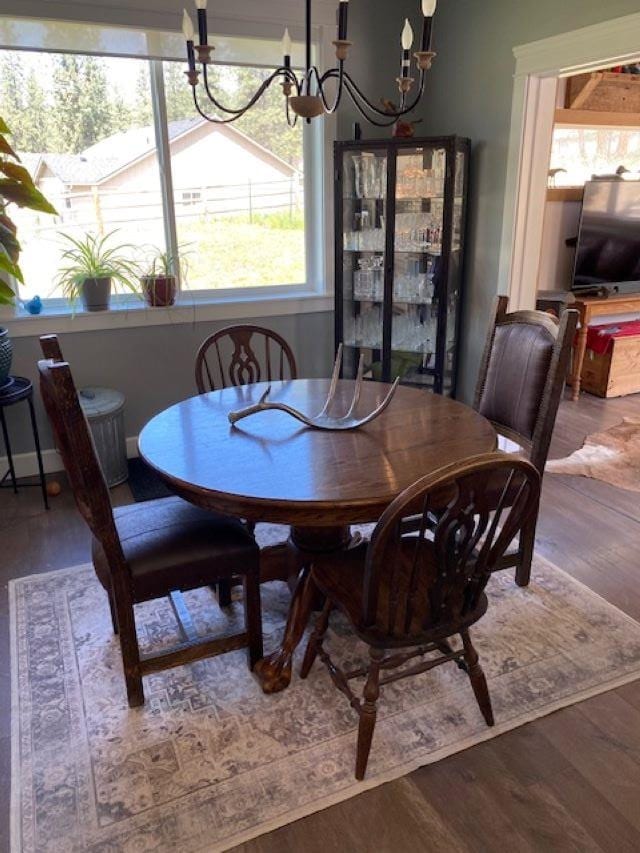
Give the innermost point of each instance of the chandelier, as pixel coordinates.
(306, 93)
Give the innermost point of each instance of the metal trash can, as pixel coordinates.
(104, 410)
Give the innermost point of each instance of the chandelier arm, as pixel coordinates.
(216, 120)
(362, 110)
(279, 72)
(333, 73)
(216, 103)
(398, 114)
(288, 112)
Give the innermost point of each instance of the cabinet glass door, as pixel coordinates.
(364, 190)
(417, 264)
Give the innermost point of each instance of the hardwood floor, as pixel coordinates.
(567, 782)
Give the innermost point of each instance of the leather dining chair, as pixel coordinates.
(520, 383)
(241, 355)
(410, 593)
(156, 549)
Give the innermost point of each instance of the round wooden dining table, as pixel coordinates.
(271, 468)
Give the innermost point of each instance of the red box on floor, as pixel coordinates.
(612, 361)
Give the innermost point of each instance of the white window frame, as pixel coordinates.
(314, 294)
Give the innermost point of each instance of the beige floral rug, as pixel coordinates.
(210, 761)
(612, 456)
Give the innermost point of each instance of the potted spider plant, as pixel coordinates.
(93, 268)
(16, 187)
(159, 281)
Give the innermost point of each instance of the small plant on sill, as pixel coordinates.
(159, 279)
(93, 268)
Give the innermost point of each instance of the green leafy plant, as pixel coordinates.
(16, 187)
(158, 276)
(161, 264)
(91, 257)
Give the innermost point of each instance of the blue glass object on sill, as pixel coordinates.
(34, 306)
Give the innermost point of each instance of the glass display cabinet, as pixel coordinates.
(400, 217)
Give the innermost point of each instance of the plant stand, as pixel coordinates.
(15, 391)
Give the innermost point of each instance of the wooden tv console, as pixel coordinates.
(589, 308)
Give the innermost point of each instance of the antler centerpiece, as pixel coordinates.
(324, 419)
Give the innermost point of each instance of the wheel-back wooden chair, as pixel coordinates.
(520, 383)
(242, 355)
(150, 550)
(412, 592)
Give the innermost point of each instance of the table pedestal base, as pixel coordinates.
(292, 561)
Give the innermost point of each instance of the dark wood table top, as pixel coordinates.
(271, 468)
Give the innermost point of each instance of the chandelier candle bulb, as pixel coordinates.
(286, 48)
(189, 33)
(343, 12)
(428, 10)
(407, 41)
(407, 35)
(201, 6)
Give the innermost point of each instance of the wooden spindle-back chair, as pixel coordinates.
(413, 592)
(242, 355)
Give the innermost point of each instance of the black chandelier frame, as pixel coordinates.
(310, 98)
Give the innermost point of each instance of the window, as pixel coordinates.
(85, 127)
(86, 135)
(238, 187)
(580, 152)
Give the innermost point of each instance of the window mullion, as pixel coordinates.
(161, 125)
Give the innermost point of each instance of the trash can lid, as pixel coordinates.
(96, 402)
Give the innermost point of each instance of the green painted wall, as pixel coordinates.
(469, 93)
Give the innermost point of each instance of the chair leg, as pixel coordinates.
(477, 678)
(315, 640)
(525, 552)
(128, 643)
(253, 616)
(112, 610)
(368, 712)
(223, 592)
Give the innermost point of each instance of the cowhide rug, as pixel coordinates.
(612, 456)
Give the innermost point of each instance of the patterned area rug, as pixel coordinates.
(612, 456)
(210, 761)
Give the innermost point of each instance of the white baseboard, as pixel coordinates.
(26, 464)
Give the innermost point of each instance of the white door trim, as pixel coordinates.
(538, 65)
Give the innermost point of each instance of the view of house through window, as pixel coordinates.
(84, 127)
(238, 187)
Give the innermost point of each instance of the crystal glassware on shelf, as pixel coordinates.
(358, 178)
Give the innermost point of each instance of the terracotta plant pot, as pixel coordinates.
(96, 294)
(159, 290)
(6, 355)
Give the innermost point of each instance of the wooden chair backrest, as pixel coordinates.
(228, 358)
(522, 374)
(51, 349)
(75, 443)
(417, 584)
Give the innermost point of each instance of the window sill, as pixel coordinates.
(127, 315)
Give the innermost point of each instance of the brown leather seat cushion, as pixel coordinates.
(341, 577)
(516, 375)
(170, 544)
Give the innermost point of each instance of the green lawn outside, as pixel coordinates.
(229, 251)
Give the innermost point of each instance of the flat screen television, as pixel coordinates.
(608, 248)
